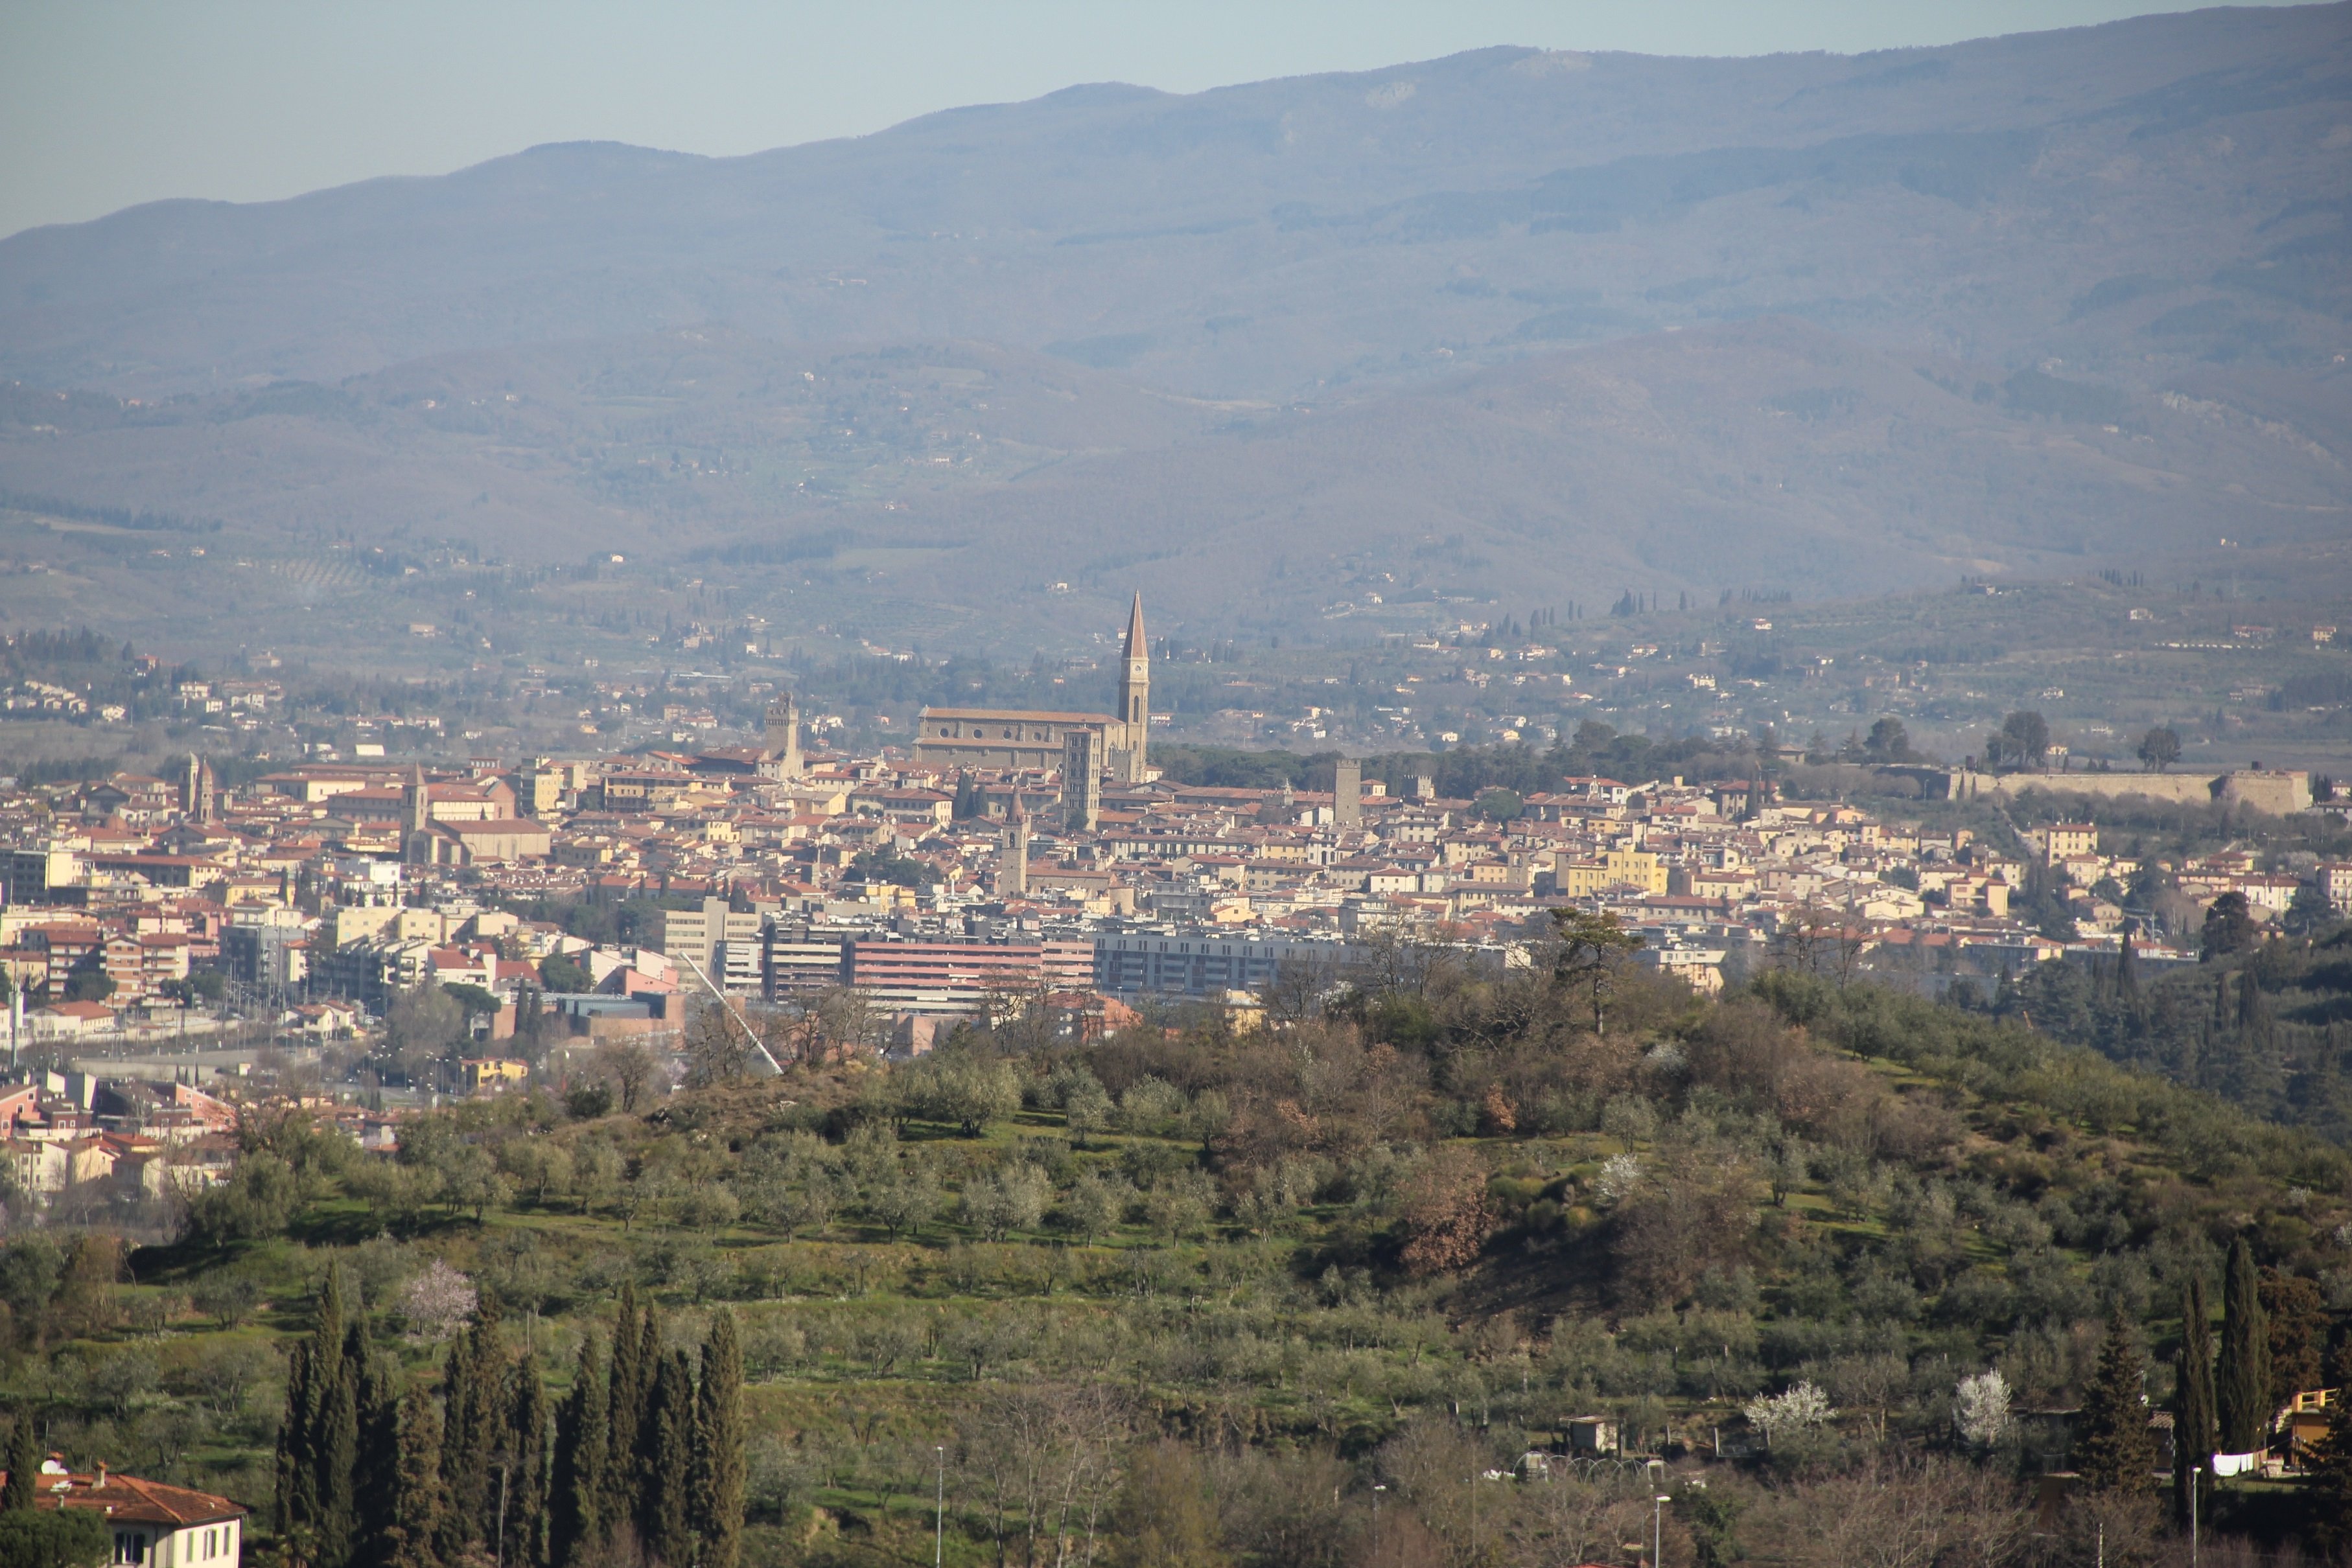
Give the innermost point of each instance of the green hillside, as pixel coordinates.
(1203, 1291)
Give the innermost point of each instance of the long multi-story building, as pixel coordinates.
(940, 975)
(1205, 962)
(959, 977)
(800, 959)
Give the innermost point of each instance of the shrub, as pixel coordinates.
(52, 1538)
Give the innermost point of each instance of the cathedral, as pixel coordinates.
(1008, 739)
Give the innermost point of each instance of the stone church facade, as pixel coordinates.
(1012, 739)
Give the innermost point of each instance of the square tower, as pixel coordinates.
(784, 736)
(1082, 761)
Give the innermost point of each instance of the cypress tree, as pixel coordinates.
(525, 1541)
(2118, 1453)
(475, 1430)
(2192, 1399)
(294, 1444)
(318, 1441)
(2253, 1013)
(2331, 1478)
(457, 1420)
(376, 1475)
(492, 1406)
(647, 1443)
(415, 1538)
(583, 1433)
(335, 1356)
(624, 1413)
(2242, 1388)
(24, 1465)
(717, 1515)
(2126, 976)
(649, 1361)
(668, 1517)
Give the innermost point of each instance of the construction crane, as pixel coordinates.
(736, 1013)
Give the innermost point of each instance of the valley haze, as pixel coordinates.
(1509, 325)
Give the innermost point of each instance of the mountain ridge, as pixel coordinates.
(2096, 284)
(1056, 166)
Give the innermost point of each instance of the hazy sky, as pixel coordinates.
(104, 103)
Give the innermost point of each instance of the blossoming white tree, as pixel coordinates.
(1776, 1415)
(1980, 1409)
(437, 1302)
(1619, 1174)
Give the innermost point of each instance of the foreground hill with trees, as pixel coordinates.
(1853, 1267)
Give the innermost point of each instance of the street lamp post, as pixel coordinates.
(1378, 1488)
(940, 1509)
(1658, 1529)
(2195, 1484)
(500, 1549)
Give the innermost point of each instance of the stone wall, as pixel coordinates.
(2278, 792)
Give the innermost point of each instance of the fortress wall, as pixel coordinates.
(2275, 790)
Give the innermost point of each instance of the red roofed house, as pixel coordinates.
(455, 966)
(153, 1525)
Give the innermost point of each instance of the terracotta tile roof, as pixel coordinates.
(127, 1500)
(999, 715)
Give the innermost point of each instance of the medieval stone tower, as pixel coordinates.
(416, 808)
(1013, 867)
(1082, 767)
(783, 749)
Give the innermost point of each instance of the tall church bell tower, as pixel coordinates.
(1134, 700)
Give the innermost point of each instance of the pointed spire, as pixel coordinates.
(1137, 647)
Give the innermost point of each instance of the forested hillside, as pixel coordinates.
(1295, 1293)
(2269, 1028)
(2263, 1020)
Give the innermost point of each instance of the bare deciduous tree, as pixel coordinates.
(1042, 1462)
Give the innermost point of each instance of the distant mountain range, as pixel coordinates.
(1510, 326)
